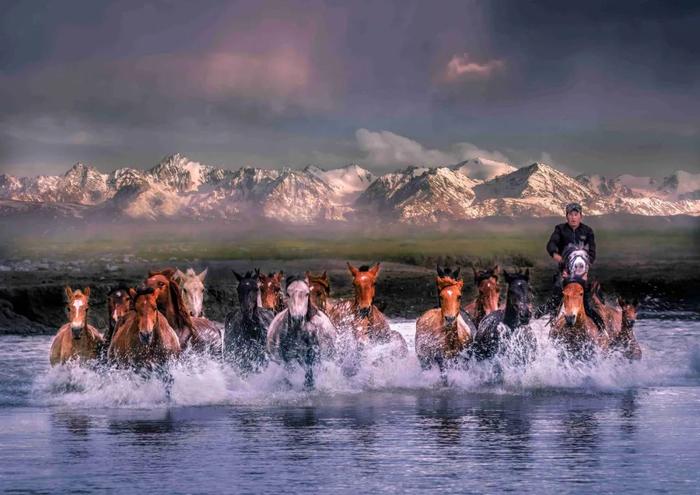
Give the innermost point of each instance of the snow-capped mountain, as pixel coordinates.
(179, 188)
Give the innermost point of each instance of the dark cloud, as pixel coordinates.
(591, 84)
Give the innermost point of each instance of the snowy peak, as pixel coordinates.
(483, 168)
(182, 174)
(347, 182)
(681, 185)
(604, 186)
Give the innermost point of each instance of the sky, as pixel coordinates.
(588, 87)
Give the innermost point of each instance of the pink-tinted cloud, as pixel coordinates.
(463, 67)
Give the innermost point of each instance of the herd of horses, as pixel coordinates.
(295, 322)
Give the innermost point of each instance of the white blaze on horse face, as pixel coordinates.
(77, 317)
(298, 302)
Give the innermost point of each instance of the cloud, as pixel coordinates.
(384, 149)
(461, 67)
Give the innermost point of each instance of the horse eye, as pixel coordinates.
(184, 290)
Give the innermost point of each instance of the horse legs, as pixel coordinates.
(309, 361)
(440, 360)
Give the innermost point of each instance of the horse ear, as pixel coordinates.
(203, 275)
(238, 276)
(178, 275)
(375, 269)
(307, 274)
(324, 275)
(527, 274)
(507, 276)
(257, 272)
(455, 275)
(620, 301)
(476, 275)
(352, 269)
(69, 293)
(496, 270)
(132, 293)
(440, 271)
(86, 292)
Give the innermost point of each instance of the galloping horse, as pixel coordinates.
(271, 290)
(144, 336)
(199, 332)
(441, 333)
(119, 304)
(75, 339)
(572, 327)
(576, 261)
(625, 340)
(504, 324)
(301, 333)
(320, 291)
(367, 324)
(246, 329)
(191, 290)
(486, 301)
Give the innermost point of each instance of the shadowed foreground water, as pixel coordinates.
(610, 426)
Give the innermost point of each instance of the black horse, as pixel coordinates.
(510, 323)
(246, 329)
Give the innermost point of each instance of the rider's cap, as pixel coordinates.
(573, 207)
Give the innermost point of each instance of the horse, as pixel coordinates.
(144, 337)
(509, 323)
(245, 336)
(76, 339)
(301, 333)
(576, 261)
(198, 332)
(625, 340)
(271, 290)
(119, 303)
(191, 289)
(486, 301)
(366, 322)
(442, 333)
(572, 327)
(320, 291)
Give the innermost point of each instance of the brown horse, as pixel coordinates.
(486, 301)
(573, 328)
(75, 339)
(198, 332)
(360, 316)
(625, 340)
(144, 336)
(271, 290)
(119, 304)
(320, 291)
(441, 333)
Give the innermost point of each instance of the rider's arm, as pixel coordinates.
(591, 246)
(553, 244)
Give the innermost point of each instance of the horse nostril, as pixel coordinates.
(570, 319)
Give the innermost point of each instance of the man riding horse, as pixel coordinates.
(566, 235)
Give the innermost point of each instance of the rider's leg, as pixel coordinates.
(590, 308)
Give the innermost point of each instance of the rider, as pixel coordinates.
(571, 232)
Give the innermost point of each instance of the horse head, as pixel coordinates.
(169, 298)
(450, 294)
(77, 309)
(298, 299)
(486, 282)
(320, 286)
(364, 280)
(119, 303)
(271, 289)
(518, 298)
(629, 311)
(572, 306)
(146, 307)
(248, 292)
(191, 289)
(576, 260)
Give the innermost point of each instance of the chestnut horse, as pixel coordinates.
(572, 327)
(119, 304)
(76, 339)
(198, 332)
(486, 301)
(271, 290)
(360, 316)
(320, 291)
(144, 336)
(442, 334)
(625, 340)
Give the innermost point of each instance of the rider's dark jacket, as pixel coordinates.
(564, 235)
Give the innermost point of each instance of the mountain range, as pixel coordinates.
(181, 188)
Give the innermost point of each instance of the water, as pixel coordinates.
(608, 426)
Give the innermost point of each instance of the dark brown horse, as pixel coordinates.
(271, 296)
(76, 339)
(572, 327)
(144, 337)
(361, 317)
(320, 291)
(486, 301)
(119, 304)
(442, 334)
(625, 340)
(198, 332)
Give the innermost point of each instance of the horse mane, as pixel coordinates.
(295, 278)
(182, 316)
(364, 268)
(447, 281)
(120, 287)
(481, 275)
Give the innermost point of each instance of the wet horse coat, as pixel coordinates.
(487, 300)
(76, 339)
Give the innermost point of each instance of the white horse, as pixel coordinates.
(301, 334)
(576, 261)
(192, 289)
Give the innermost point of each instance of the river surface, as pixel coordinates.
(553, 427)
